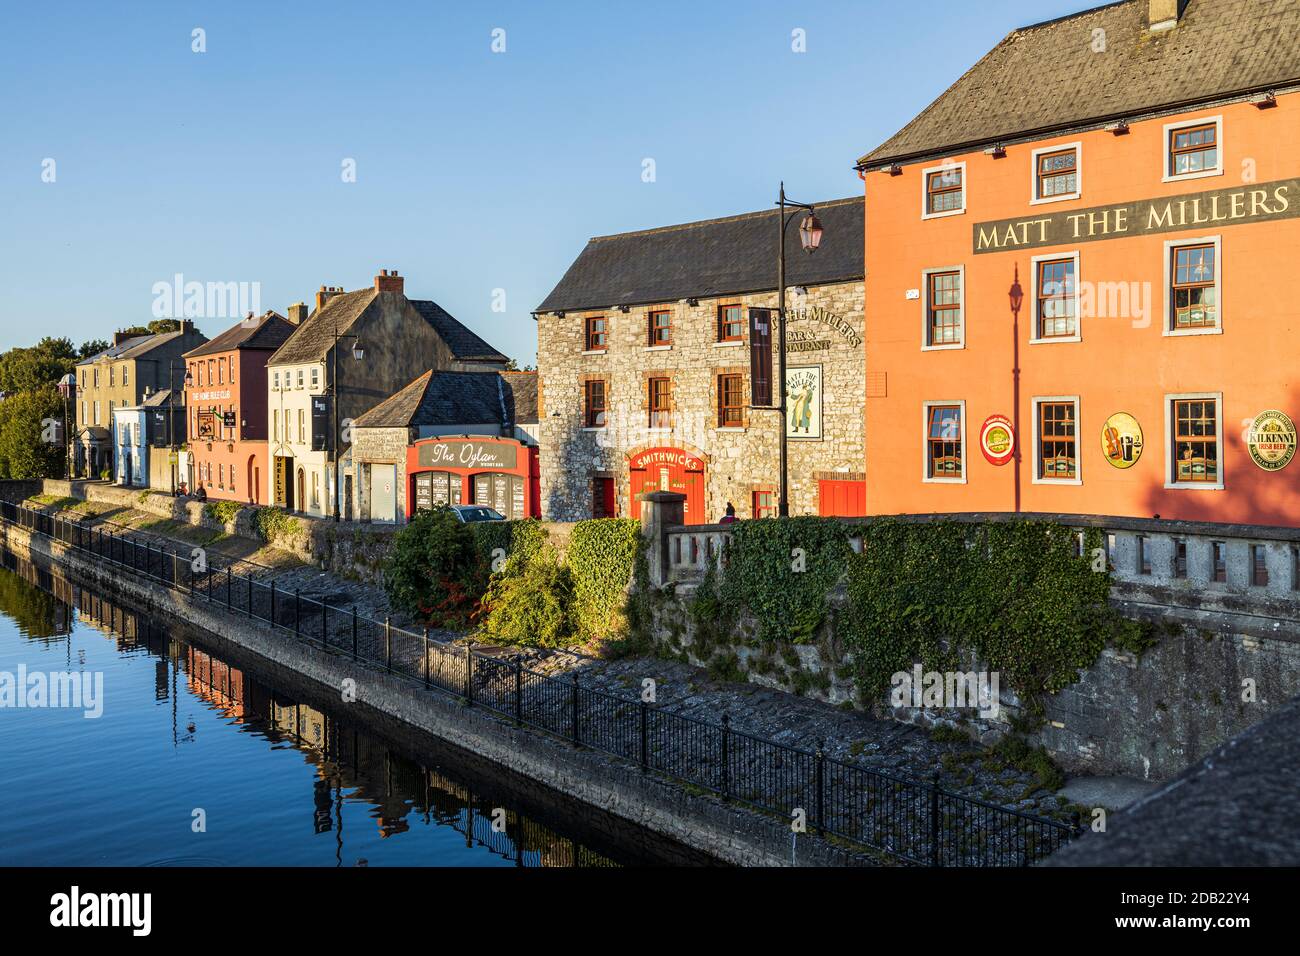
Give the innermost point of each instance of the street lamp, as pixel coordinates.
(171, 414)
(810, 237)
(358, 353)
(1016, 297)
(67, 386)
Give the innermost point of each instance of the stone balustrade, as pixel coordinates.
(1250, 570)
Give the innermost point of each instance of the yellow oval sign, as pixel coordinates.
(1121, 440)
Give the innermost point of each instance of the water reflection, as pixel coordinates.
(365, 792)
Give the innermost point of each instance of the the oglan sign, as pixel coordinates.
(1233, 206)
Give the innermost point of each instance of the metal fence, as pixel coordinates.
(910, 820)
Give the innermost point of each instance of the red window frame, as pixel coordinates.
(659, 402)
(659, 326)
(731, 328)
(597, 334)
(731, 401)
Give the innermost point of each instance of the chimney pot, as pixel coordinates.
(388, 281)
(297, 313)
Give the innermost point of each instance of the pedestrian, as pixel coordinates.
(730, 516)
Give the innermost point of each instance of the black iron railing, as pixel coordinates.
(911, 820)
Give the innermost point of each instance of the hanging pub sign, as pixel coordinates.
(320, 423)
(803, 401)
(207, 425)
(158, 428)
(1121, 440)
(760, 357)
(998, 439)
(1271, 440)
(228, 419)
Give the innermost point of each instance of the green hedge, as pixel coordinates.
(602, 553)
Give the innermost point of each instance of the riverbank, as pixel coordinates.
(717, 828)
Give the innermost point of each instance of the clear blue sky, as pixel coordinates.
(475, 171)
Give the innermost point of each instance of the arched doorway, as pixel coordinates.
(669, 469)
(254, 478)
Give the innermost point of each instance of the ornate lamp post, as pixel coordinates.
(1016, 296)
(68, 388)
(358, 353)
(810, 237)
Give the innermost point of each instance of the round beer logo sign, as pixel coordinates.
(998, 439)
(1121, 440)
(1271, 440)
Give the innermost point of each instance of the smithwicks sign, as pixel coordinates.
(1220, 207)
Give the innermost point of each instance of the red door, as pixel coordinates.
(669, 469)
(844, 498)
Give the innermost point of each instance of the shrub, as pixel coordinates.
(221, 512)
(533, 606)
(435, 569)
(272, 523)
(521, 541)
(602, 553)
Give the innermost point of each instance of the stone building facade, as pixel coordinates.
(656, 325)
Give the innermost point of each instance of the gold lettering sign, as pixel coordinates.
(1271, 440)
(1236, 205)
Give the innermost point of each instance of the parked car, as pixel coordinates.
(468, 513)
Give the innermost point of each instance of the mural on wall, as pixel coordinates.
(803, 400)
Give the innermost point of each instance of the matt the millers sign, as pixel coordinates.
(1225, 207)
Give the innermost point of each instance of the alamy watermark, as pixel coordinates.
(74, 689)
(179, 299)
(946, 690)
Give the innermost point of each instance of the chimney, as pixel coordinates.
(297, 313)
(1162, 14)
(325, 294)
(119, 337)
(186, 326)
(389, 281)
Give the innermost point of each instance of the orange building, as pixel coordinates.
(225, 408)
(1077, 268)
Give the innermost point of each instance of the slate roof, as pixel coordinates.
(133, 347)
(311, 341)
(523, 388)
(464, 344)
(709, 258)
(1238, 806)
(158, 398)
(270, 332)
(1046, 77)
(452, 398)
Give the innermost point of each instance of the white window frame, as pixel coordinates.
(1167, 154)
(1170, 398)
(925, 309)
(315, 376)
(1034, 199)
(925, 196)
(925, 442)
(1034, 338)
(1167, 328)
(1037, 477)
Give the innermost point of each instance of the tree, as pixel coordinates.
(25, 448)
(24, 369)
(156, 327)
(93, 347)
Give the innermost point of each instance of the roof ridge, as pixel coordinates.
(698, 223)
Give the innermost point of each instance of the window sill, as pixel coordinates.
(657, 348)
(729, 428)
(945, 481)
(1055, 339)
(595, 351)
(1208, 330)
(1057, 481)
(729, 344)
(1193, 485)
(1052, 199)
(600, 428)
(956, 346)
(944, 215)
(1204, 174)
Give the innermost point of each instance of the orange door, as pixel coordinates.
(669, 469)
